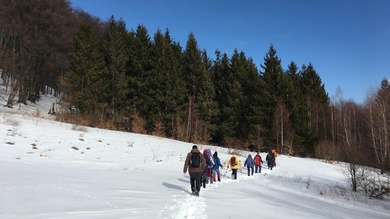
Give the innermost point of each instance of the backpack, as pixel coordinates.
(257, 160)
(233, 161)
(195, 160)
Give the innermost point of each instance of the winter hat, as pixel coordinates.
(194, 147)
(215, 154)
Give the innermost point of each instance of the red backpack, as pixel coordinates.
(257, 160)
(233, 161)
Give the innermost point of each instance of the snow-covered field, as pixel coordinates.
(50, 169)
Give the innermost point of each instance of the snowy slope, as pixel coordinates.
(56, 170)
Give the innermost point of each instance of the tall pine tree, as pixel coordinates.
(84, 82)
(317, 101)
(116, 56)
(200, 91)
(272, 75)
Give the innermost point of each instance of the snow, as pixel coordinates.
(125, 175)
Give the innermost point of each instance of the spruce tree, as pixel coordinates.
(255, 93)
(237, 97)
(170, 87)
(84, 82)
(115, 53)
(200, 91)
(141, 79)
(317, 102)
(272, 75)
(297, 107)
(221, 76)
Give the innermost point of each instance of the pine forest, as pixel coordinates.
(111, 76)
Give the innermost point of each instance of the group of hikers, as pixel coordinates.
(203, 167)
(254, 164)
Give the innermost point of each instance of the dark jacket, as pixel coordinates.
(194, 169)
(270, 158)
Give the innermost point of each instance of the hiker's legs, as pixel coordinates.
(218, 173)
(197, 177)
(234, 173)
(192, 182)
(204, 175)
(210, 171)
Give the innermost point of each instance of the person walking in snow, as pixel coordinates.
(257, 160)
(249, 164)
(208, 170)
(270, 159)
(234, 163)
(195, 163)
(275, 155)
(216, 172)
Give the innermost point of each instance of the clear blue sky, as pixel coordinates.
(347, 41)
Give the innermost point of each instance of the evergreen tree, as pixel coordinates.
(116, 58)
(177, 93)
(170, 87)
(222, 78)
(141, 79)
(272, 76)
(297, 107)
(84, 79)
(318, 102)
(200, 90)
(239, 99)
(255, 93)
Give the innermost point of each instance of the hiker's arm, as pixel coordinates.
(185, 168)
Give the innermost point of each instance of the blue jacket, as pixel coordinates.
(249, 161)
(217, 163)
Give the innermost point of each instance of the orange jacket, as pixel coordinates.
(274, 152)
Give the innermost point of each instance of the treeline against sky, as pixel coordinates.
(109, 75)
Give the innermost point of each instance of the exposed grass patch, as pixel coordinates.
(75, 148)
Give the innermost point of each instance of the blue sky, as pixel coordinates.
(347, 41)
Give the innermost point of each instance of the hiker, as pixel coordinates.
(270, 159)
(249, 164)
(217, 164)
(195, 164)
(234, 163)
(275, 155)
(257, 160)
(208, 170)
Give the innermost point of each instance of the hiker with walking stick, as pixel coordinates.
(234, 163)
